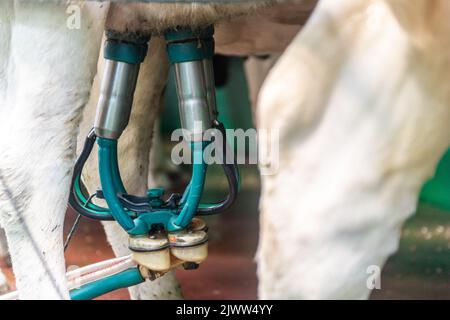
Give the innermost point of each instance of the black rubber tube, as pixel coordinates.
(231, 172)
(74, 202)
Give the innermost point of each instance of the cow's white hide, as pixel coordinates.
(256, 70)
(5, 12)
(49, 70)
(361, 99)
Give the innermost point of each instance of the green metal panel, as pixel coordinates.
(437, 190)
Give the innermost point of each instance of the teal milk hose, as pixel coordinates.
(109, 181)
(118, 184)
(195, 187)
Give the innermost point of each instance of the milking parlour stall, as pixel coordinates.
(244, 151)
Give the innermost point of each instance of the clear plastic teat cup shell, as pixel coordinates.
(190, 244)
(153, 251)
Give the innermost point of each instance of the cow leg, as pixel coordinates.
(362, 109)
(134, 150)
(5, 34)
(256, 70)
(50, 72)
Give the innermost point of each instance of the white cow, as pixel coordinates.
(360, 99)
(46, 76)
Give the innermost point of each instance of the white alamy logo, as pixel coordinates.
(242, 146)
(74, 19)
(374, 279)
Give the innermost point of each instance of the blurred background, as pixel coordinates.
(420, 269)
